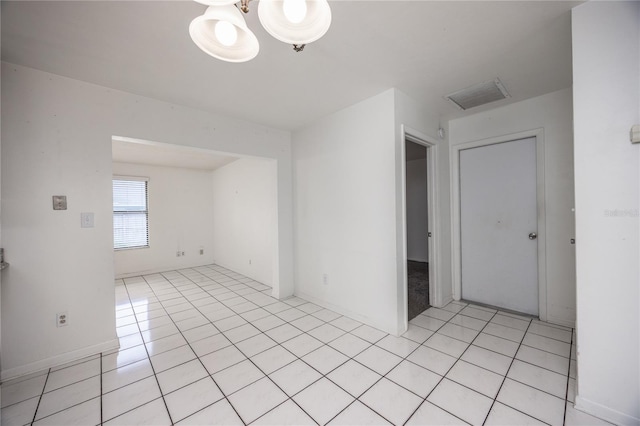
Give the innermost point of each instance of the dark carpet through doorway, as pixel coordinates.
(418, 287)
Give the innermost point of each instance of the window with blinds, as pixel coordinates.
(130, 213)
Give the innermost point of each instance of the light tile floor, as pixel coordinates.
(210, 346)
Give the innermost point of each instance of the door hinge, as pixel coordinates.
(3, 264)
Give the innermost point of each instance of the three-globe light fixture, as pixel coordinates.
(223, 33)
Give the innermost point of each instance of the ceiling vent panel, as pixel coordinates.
(479, 94)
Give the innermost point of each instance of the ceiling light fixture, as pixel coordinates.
(223, 33)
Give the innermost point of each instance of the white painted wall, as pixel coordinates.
(344, 208)
(606, 77)
(181, 217)
(553, 113)
(245, 215)
(56, 140)
(348, 196)
(417, 248)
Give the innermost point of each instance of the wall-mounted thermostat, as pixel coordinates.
(59, 202)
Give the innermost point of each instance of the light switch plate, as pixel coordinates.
(59, 202)
(86, 220)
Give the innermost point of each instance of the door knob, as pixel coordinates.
(533, 236)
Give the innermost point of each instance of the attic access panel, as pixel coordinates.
(479, 94)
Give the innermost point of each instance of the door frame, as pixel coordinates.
(538, 134)
(433, 219)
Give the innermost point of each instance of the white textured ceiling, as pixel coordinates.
(427, 49)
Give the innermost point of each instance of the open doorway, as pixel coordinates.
(201, 207)
(417, 222)
(427, 153)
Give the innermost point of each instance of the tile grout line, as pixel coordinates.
(357, 398)
(280, 368)
(452, 365)
(289, 398)
(190, 301)
(217, 301)
(77, 362)
(40, 399)
(566, 395)
(531, 386)
(169, 315)
(233, 282)
(504, 379)
(349, 358)
(226, 397)
(525, 384)
(500, 353)
(150, 363)
(479, 332)
(101, 411)
(551, 338)
(384, 376)
(327, 343)
(300, 358)
(408, 360)
(323, 375)
(198, 358)
(469, 344)
(260, 369)
(548, 352)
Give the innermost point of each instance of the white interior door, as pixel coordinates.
(497, 215)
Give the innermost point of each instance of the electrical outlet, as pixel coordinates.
(182, 254)
(325, 279)
(177, 254)
(201, 251)
(249, 261)
(62, 319)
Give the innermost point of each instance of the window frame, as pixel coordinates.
(132, 212)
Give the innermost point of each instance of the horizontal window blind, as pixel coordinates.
(130, 213)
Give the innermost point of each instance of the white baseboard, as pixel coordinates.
(247, 272)
(560, 321)
(605, 413)
(442, 303)
(346, 313)
(56, 360)
(164, 268)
